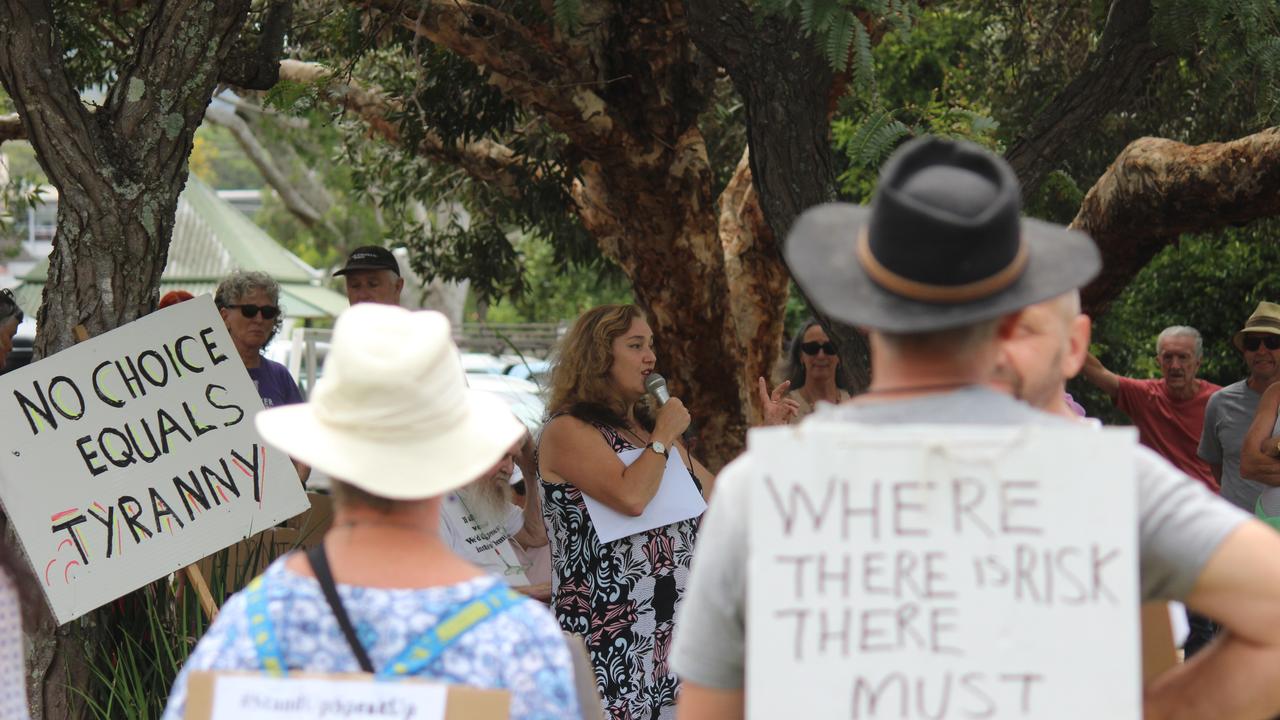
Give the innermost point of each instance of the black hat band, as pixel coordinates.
(927, 292)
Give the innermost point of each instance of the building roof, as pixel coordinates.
(211, 239)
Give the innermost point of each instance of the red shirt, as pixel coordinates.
(1170, 427)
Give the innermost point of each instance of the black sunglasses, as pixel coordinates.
(812, 347)
(269, 312)
(1251, 342)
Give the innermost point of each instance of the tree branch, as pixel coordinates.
(257, 68)
(1158, 189)
(34, 75)
(483, 160)
(261, 159)
(527, 68)
(1114, 72)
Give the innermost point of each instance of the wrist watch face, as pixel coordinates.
(659, 448)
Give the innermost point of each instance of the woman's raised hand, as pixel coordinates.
(673, 419)
(778, 408)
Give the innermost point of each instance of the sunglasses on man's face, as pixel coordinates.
(249, 310)
(9, 305)
(1253, 342)
(812, 347)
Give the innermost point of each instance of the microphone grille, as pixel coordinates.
(654, 381)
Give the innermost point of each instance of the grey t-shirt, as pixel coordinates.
(1180, 525)
(1226, 420)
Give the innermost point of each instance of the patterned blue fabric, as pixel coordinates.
(521, 650)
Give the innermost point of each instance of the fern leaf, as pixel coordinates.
(838, 39)
(568, 13)
(874, 138)
(863, 64)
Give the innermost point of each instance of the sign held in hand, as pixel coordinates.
(132, 454)
(943, 572)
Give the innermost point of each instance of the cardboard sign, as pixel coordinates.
(943, 572)
(677, 499)
(128, 456)
(356, 696)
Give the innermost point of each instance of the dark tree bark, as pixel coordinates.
(1158, 189)
(788, 90)
(119, 170)
(1114, 73)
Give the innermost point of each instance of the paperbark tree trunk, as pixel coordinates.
(789, 92)
(1158, 189)
(119, 170)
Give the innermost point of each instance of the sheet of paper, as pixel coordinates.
(678, 499)
(264, 698)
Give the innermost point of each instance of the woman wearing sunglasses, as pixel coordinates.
(814, 370)
(249, 303)
(10, 319)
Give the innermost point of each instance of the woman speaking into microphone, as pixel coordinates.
(607, 444)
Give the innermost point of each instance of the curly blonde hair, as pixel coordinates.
(580, 383)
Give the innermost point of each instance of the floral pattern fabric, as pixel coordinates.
(520, 650)
(620, 597)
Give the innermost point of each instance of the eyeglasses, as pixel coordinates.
(269, 312)
(1252, 342)
(812, 347)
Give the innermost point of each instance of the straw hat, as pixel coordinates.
(1266, 319)
(392, 414)
(942, 245)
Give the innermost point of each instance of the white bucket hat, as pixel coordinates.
(392, 414)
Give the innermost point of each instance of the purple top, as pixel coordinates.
(1076, 407)
(275, 384)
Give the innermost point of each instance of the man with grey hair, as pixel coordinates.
(372, 274)
(1168, 411)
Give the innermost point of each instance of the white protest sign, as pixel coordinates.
(131, 455)
(943, 572)
(246, 697)
(484, 544)
(677, 499)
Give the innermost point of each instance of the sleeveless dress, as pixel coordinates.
(620, 597)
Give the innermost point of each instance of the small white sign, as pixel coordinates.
(131, 455)
(244, 697)
(943, 572)
(677, 499)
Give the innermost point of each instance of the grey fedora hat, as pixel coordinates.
(942, 245)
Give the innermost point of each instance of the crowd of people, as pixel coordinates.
(434, 568)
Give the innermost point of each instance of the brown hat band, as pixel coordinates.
(1262, 321)
(925, 292)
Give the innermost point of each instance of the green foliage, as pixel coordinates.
(838, 30)
(568, 13)
(556, 292)
(1210, 282)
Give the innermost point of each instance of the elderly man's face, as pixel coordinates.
(1263, 362)
(375, 286)
(1178, 362)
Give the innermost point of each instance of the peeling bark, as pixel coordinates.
(788, 89)
(756, 280)
(1157, 189)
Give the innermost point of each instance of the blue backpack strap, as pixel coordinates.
(455, 623)
(261, 631)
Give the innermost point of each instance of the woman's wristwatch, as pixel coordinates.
(660, 448)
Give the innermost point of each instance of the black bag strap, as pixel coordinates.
(320, 566)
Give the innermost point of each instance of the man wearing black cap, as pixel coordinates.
(372, 275)
(939, 269)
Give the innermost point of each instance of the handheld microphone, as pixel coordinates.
(656, 385)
